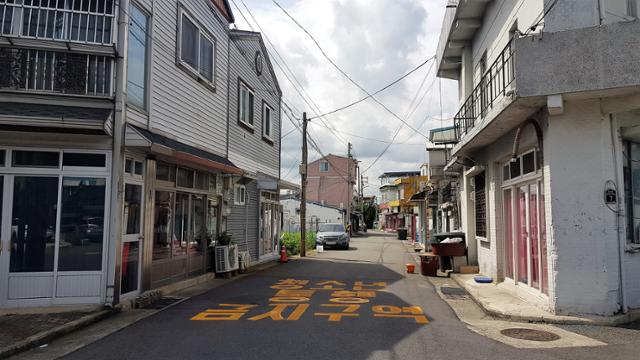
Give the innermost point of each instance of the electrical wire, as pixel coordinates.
(379, 91)
(295, 82)
(344, 73)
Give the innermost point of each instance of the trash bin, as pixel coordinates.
(402, 234)
(429, 265)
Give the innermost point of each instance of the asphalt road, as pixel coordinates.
(287, 312)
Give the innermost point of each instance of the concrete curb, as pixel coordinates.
(46, 336)
(89, 319)
(549, 319)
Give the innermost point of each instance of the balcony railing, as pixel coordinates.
(50, 71)
(492, 86)
(85, 21)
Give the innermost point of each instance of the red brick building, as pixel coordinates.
(328, 181)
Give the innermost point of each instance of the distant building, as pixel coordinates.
(328, 181)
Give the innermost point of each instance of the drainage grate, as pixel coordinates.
(454, 293)
(529, 334)
(161, 303)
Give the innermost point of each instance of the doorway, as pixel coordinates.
(525, 235)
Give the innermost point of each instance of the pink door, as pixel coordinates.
(525, 236)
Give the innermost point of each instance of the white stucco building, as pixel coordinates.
(548, 151)
(317, 213)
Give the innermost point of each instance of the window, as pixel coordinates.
(90, 21)
(166, 172)
(2, 156)
(196, 48)
(618, 10)
(324, 166)
(266, 120)
(480, 200)
(240, 195)
(133, 167)
(137, 58)
(36, 159)
(245, 104)
(632, 190)
(82, 224)
(185, 178)
(84, 160)
(528, 163)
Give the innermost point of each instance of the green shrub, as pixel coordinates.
(291, 241)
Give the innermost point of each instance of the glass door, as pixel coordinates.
(131, 239)
(29, 223)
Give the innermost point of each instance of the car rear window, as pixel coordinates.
(331, 228)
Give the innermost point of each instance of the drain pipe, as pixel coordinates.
(615, 146)
(114, 259)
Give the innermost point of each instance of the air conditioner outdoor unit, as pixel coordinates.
(226, 258)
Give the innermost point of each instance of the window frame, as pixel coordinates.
(633, 239)
(267, 137)
(239, 189)
(322, 162)
(202, 31)
(520, 159)
(485, 235)
(147, 58)
(250, 126)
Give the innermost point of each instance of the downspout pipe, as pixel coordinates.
(620, 212)
(114, 259)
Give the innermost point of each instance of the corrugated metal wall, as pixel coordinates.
(242, 223)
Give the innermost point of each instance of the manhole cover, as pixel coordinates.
(529, 334)
(454, 293)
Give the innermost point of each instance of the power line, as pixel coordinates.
(344, 73)
(377, 92)
(301, 91)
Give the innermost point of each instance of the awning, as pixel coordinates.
(287, 185)
(139, 137)
(419, 197)
(44, 117)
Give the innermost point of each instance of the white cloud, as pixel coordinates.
(375, 42)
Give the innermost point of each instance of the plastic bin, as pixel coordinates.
(429, 265)
(402, 234)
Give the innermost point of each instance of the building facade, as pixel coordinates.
(316, 214)
(331, 182)
(547, 139)
(254, 146)
(115, 171)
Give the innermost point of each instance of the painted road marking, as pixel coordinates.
(290, 302)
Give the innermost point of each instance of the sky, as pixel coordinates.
(375, 42)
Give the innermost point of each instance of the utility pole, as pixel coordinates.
(303, 195)
(349, 188)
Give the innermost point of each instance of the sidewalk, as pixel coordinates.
(501, 303)
(22, 331)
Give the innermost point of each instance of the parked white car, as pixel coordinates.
(330, 235)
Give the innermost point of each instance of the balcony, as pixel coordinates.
(64, 24)
(43, 71)
(577, 64)
(495, 84)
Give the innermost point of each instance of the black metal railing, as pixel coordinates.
(493, 85)
(58, 72)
